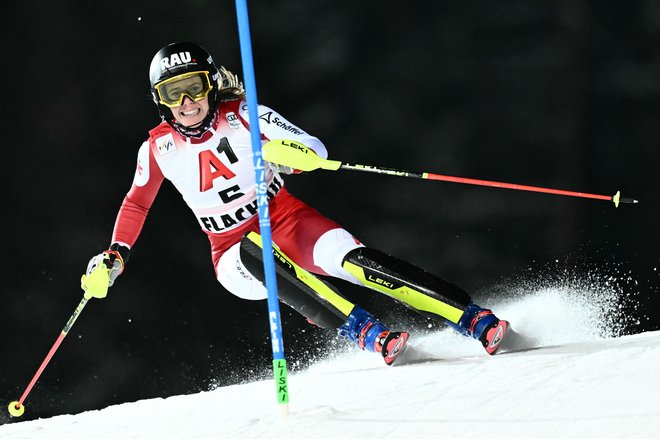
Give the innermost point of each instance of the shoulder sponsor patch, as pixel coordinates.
(233, 121)
(165, 144)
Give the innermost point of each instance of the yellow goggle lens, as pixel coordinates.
(195, 85)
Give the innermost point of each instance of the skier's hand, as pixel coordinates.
(102, 270)
(229, 83)
(295, 155)
(283, 169)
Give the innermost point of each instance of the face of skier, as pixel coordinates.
(187, 96)
(191, 113)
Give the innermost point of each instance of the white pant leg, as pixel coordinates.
(233, 275)
(330, 250)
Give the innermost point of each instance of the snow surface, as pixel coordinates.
(577, 378)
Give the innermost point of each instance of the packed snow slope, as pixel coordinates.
(574, 379)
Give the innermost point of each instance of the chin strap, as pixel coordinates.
(197, 131)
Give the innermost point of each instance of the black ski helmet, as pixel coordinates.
(176, 59)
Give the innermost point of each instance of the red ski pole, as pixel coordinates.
(95, 285)
(16, 408)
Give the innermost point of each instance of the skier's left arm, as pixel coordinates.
(274, 126)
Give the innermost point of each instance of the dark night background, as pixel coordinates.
(564, 94)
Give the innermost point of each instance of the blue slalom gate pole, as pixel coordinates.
(279, 361)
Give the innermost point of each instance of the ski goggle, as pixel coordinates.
(195, 85)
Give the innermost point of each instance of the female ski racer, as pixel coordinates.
(203, 148)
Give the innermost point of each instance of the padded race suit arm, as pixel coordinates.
(274, 126)
(135, 207)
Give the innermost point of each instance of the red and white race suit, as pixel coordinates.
(215, 176)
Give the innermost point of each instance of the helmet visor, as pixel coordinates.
(195, 85)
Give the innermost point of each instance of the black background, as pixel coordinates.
(564, 94)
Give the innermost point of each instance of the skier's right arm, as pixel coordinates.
(128, 225)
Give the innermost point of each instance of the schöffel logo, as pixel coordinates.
(269, 118)
(176, 59)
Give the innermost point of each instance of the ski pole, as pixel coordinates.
(16, 408)
(297, 156)
(95, 285)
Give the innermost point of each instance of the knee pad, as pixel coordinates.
(420, 290)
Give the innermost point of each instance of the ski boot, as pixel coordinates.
(482, 324)
(368, 333)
